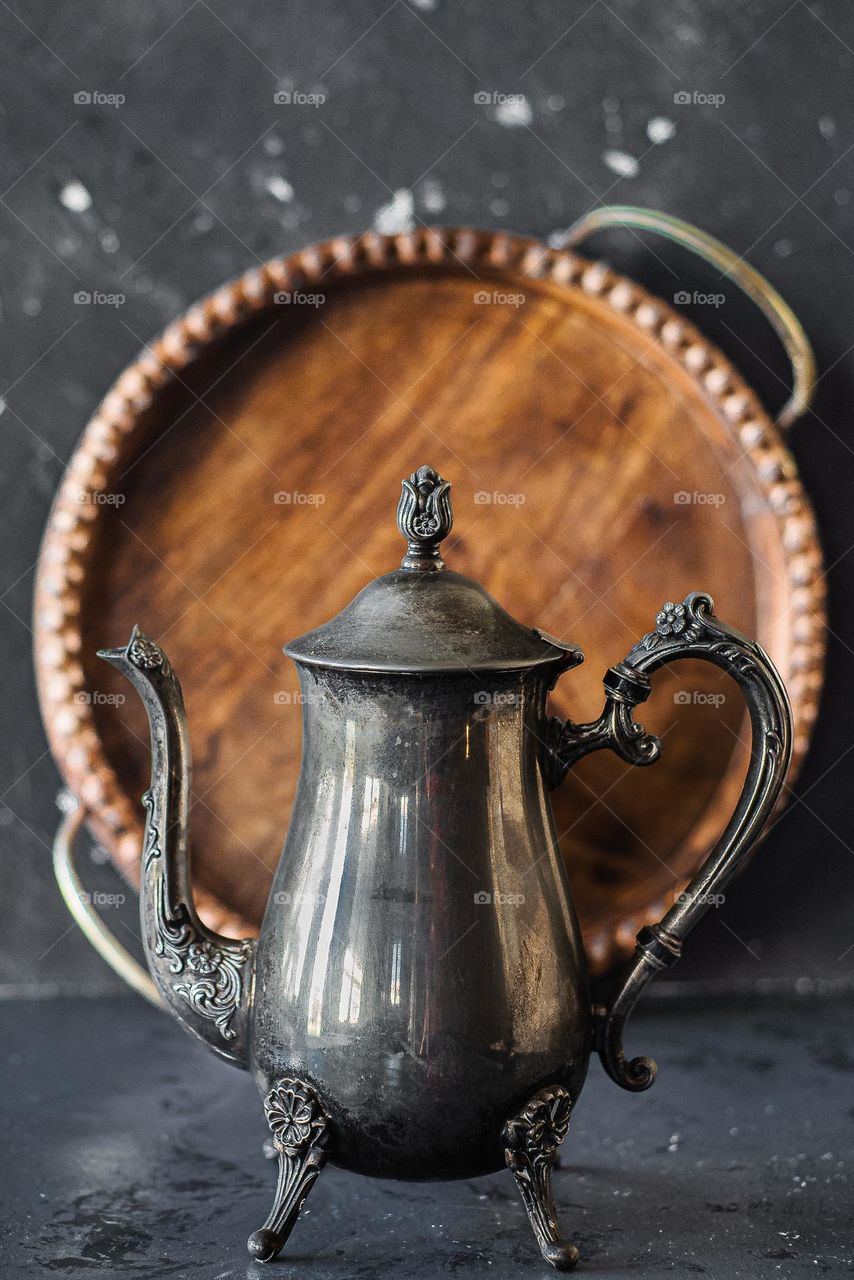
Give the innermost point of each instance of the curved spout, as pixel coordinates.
(205, 978)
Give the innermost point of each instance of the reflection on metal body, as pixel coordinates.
(420, 954)
(417, 1004)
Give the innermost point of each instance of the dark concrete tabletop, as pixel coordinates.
(131, 1151)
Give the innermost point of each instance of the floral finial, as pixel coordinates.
(424, 517)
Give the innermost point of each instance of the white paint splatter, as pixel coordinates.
(397, 215)
(428, 6)
(273, 145)
(75, 197)
(514, 112)
(659, 129)
(280, 188)
(2, 405)
(827, 127)
(432, 195)
(109, 240)
(622, 163)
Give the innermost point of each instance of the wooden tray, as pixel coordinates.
(225, 497)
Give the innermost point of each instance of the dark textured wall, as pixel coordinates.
(197, 174)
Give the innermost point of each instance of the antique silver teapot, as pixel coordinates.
(416, 1005)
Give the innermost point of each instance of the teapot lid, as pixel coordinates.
(424, 617)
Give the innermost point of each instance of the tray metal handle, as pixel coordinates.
(776, 310)
(80, 905)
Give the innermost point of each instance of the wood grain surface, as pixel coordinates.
(238, 487)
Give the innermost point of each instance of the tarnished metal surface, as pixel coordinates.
(416, 1005)
(420, 959)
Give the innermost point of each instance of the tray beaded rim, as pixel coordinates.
(72, 523)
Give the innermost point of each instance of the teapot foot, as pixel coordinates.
(301, 1141)
(531, 1139)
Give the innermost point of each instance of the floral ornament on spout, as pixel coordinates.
(212, 976)
(203, 958)
(143, 652)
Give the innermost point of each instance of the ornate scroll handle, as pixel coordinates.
(688, 630)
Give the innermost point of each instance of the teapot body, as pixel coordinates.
(420, 962)
(416, 1005)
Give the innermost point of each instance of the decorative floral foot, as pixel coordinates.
(302, 1135)
(531, 1140)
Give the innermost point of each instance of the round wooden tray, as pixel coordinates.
(604, 458)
